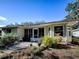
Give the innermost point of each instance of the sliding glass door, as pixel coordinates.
(39, 32)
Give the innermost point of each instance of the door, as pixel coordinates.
(35, 33)
(27, 34)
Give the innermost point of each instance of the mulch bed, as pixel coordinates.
(51, 53)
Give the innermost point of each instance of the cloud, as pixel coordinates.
(2, 25)
(2, 18)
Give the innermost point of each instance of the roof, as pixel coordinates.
(44, 24)
(69, 20)
(9, 27)
(62, 21)
(41, 24)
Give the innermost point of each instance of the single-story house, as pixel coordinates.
(34, 32)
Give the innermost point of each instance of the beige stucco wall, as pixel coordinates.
(20, 32)
(51, 32)
(69, 28)
(46, 30)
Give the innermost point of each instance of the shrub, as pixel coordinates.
(8, 39)
(47, 41)
(2, 43)
(58, 39)
(75, 40)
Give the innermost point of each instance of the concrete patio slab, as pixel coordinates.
(22, 45)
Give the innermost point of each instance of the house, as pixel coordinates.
(75, 30)
(34, 32)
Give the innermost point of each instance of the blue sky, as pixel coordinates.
(17, 11)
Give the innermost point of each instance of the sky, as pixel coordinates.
(19, 11)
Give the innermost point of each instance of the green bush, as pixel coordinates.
(2, 43)
(46, 40)
(75, 40)
(8, 39)
(49, 41)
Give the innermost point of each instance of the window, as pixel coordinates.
(41, 32)
(59, 29)
(8, 30)
(0, 32)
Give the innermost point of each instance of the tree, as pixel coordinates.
(73, 10)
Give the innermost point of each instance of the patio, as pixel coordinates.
(21, 45)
